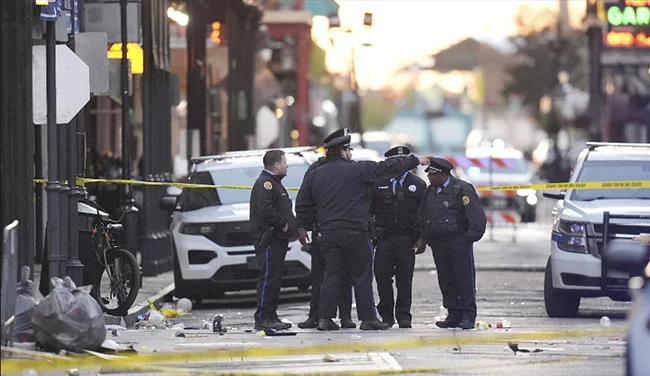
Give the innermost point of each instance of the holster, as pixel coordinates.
(267, 236)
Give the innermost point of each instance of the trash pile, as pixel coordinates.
(157, 318)
(68, 318)
(27, 298)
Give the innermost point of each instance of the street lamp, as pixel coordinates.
(354, 113)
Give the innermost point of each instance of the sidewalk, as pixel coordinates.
(528, 252)
(155, 288)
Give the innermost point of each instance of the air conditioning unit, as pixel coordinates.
(105, 17)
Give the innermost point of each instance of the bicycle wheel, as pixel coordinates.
(117, 286)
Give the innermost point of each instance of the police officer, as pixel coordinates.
(339, 190)
(452, 219)
(272, 225)
(308, 223)
(395, 204)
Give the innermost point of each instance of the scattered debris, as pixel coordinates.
(179, 334)
(114, 327)
(72, 372)
(184, 305)
(605, 322)
(515, 348)
(217, 321)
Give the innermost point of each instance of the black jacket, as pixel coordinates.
(339, 190)
(397, 212)
(270, 207)
(306, 218)
(456, 211)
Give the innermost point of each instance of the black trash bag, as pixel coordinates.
(27, 298)
(68, 318)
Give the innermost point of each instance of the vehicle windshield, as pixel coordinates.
(247, 176)
(623, 170)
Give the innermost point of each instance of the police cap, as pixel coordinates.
(437, 164)
(397, 150)
(340, 137)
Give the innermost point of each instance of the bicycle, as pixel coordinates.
(116, 286)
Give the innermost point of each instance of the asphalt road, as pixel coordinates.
(507, 293)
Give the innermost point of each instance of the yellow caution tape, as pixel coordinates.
(401, 371)
(13, 366)
(540, 186)
(582, 185)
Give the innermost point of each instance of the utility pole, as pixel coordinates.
(127, 210)
(74, 267)
(595, 40)
(55, 254)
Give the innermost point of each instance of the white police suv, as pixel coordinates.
(212, 246)
(581, 216)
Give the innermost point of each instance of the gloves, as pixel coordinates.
(420, 247)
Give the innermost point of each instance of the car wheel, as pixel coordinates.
(557, 302)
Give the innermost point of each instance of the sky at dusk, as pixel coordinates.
(405, 31)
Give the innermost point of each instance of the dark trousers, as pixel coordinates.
(317, 274)
(271, 263)
(348, 255)
(456, 276)
(394, 257)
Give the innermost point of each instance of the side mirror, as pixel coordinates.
(168, 204)
(627, 256)
(556, 196)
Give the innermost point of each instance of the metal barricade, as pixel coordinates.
(9, 280)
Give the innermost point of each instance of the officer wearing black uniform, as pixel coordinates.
(452, 219)
(272, 225)
(308, 223)
(395, 204)
(339, 190)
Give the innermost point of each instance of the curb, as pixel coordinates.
(492, 268)
(131, 317)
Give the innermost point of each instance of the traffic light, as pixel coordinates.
(215, 34)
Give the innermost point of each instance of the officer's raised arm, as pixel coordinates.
(374, 172)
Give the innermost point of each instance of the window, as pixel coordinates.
(623, 170)
(197, 198)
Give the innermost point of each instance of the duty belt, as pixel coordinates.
(381, 231)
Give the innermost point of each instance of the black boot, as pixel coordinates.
(271, 324)
(347, 323)
(466, 324)
(373, 325)
(451, 321)
(326, 325)
(310, 323)
(404, 323)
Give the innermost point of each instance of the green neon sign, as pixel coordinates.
(628, 16)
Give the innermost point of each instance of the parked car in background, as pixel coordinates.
(381, 141)
(212, 245)
(508, 168)
(582, 224)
